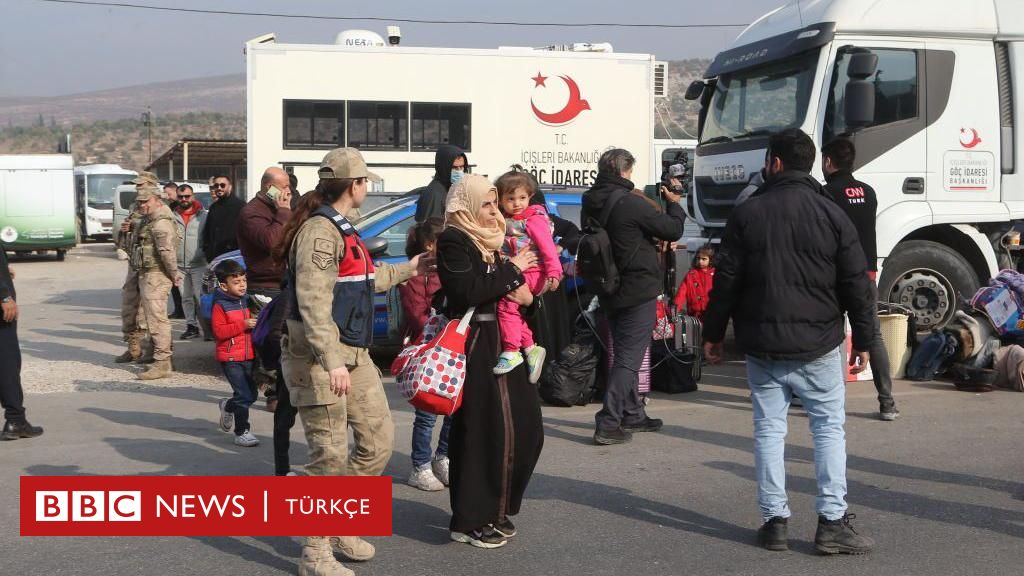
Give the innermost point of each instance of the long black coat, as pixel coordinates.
(497, 435)
(789, 266)
(220, 233)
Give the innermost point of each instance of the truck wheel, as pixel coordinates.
(928, 278)
(61, 255)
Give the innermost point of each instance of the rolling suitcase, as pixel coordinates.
(677, 360)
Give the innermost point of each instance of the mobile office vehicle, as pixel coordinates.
(95, 185)
(553, 112)
(37, 203)
(931, 93)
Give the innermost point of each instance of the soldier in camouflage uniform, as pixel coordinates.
(133, 321)
(324, 356)
(155, 254)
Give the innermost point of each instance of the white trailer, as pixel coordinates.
(37, 203)
(552, 112)
(930, 91)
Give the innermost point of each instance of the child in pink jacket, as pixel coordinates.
(527, 226)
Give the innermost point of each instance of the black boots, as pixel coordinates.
(15, 430)
(839, 537)
(772, 534)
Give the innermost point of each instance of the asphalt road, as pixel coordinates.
(941, 489)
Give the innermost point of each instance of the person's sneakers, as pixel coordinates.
(507, 362)
(839, 537)
(506, 528)
(772, 534)
(888, 413)
(614, 436)
(159, 369)
(648, 424)
(227, 419)
(353, 548)
(486, 537)
(422, 477)
(16, 430)
(318, 560)
(191, 331)
(441, 466)
(535, 356)
(247, 439)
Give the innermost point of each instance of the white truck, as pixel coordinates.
(551, 111)
(96, 185)
(37, 203)
(931, 94)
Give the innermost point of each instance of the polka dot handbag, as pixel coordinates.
(431, 373)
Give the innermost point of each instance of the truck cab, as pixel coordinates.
(928, 93)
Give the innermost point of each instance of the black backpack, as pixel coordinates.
(594, 255)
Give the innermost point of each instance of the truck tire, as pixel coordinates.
(61, 254)
(928, 278)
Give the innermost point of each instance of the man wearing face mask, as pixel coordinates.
(189, 217)
(450, 164)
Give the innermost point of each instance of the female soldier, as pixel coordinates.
(497, 434)
(325, 357)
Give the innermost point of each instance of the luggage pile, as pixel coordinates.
(981, 348)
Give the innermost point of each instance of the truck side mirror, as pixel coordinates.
(377, 247)
(859, 98)
(694, 90)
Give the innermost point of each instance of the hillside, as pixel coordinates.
(106, 127)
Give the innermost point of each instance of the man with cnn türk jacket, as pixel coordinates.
(789, 266)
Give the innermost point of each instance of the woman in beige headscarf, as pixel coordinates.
(497, 434)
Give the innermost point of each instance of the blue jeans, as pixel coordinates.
(423, 432)
(821, 386)
(239, 375)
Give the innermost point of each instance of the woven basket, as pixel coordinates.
(894, 333)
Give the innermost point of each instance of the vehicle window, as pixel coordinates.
(896, 89)
(760, 100)
(127, 198)
(396, 236)
(570, 212)
(205, 198)
(379, 215)
(434, 124)
(101, 189)
(378, 125)
(311, 124)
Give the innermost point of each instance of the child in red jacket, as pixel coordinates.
(232, 329)
(696, 285)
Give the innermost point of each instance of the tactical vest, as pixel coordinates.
(145, 254)
(352, 306)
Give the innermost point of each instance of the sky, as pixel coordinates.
(56, 49)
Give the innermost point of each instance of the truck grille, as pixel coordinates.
(716, 200)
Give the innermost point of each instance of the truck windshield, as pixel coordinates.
(760, 100)
(101, 189)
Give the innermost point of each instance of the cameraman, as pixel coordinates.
(634, 227)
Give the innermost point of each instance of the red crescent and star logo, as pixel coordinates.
(573, 107)
(969, 138)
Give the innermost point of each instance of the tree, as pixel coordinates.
(40, 121)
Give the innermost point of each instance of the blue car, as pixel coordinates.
(393, 221)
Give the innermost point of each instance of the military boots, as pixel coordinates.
(318, 560)
(134, 351)
(159, 369)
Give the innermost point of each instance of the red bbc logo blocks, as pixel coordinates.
(88, 506)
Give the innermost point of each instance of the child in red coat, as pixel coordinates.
(696, 285)
(232, 329)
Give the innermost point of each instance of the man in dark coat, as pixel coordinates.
(220, 235)
(634, 227)
(450, 164)
(789, 266)
(12, 397)
(859, 202)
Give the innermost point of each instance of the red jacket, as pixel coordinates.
(694, 291)
(415, 295)
(234, 339)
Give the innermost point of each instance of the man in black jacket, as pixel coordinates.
(859, 202)
(12, 397)
(220, 233)
(450, 164)
(789, 266)
(634, 227)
